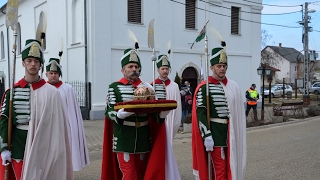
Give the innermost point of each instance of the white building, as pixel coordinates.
(95, 34)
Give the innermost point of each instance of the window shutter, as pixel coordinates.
(235, 20)
(134, 11)
(190, 14)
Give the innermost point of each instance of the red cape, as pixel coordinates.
(156, 164)
(199, 154)
(110, 167)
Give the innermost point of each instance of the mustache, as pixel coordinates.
(134, 73)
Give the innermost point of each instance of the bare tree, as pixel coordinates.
(312, 70)
(265, 37)
(270, 57)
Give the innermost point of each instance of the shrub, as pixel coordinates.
(313, 110)
(188, 119)
(177, 80)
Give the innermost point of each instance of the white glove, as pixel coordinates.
(6, 156)
(208, 142)
(164, 114)
(123, 114)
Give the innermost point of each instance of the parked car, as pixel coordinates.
(315, 88)
(263, 89)
(277, 90)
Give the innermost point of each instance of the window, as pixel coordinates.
(2, 46)
(134, 11)
(235, 20)
(190, 14)
(295, 68)
(77, 21)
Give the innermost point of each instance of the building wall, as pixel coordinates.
(58, 32)
(293, 72)
(282, 64)
(107, 38)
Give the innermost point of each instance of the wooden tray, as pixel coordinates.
(146, 106)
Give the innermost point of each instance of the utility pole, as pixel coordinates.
(306, 96)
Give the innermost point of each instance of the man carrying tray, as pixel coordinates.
(136, 140)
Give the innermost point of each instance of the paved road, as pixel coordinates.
(283, 151)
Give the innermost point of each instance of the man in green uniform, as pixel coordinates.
(224, 136)
(39, 148)
(21, 113)
(131, 132)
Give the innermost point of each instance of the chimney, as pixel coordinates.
(280, 44)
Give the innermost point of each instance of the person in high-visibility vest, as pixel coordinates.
(252, 96)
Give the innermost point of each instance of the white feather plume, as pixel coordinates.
(61, 44)
(132, 36)
(44, 23)
(216, 34)
(169, 48)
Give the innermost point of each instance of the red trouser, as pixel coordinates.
(133, 166)
(221, 166)
(17, 169)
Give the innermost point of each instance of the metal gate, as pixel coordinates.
(83, 93)
(1, 90)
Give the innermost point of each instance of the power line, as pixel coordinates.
(283, 13)
(239, 18)
(273, 4)
(248, 11)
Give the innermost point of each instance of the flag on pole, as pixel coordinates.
(201, 35)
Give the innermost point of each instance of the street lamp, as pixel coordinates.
(263, 71)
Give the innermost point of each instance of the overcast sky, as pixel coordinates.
(291, 36)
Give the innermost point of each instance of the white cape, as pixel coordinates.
(47, 152)
(77, 139)
(237, 130)
(173, 121)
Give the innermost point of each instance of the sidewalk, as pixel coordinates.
(94, 131)
(94, 134)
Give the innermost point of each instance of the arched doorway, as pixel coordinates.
(190, 74)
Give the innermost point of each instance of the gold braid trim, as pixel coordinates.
(138, 106)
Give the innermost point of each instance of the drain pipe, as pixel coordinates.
(88, 86)
(85, 41)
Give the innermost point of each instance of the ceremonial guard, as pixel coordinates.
(222, 135)
(71, 107)
(167, 89)
(40, 147)
(137, 140)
